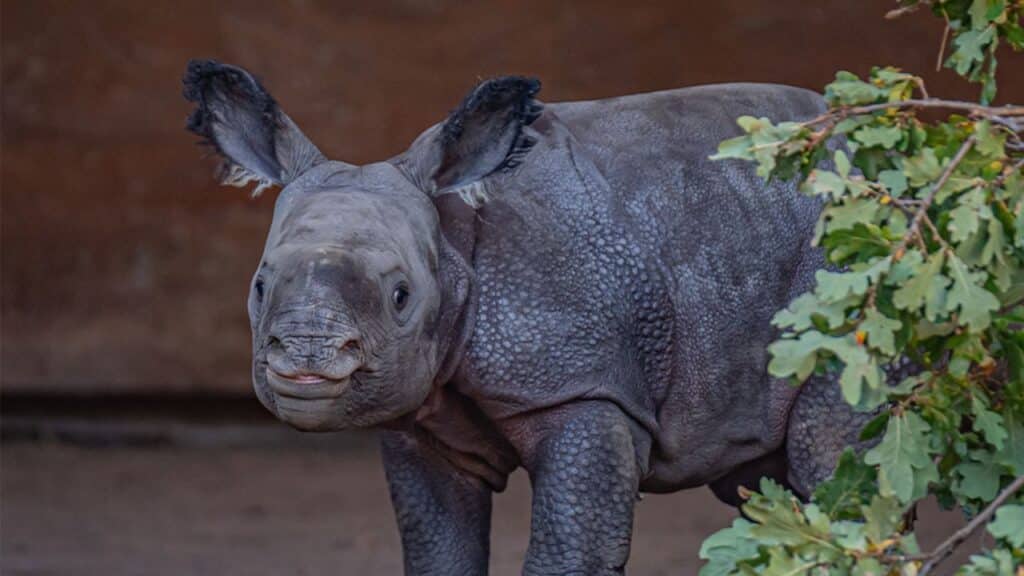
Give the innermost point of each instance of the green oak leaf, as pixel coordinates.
(849, 90)
(1014, 360)
(1018, 238)
(780, 521)
(1011, 454)
(837, 286)
(782, 563)
(847, 125)
(925, 329)
(881, 331)
(935, 302)
(975, 303)
(876, 425)
(998, 562)
(861, 379)
(890, 75)
(965, 219)
(989, 142)
(824, 183)
(883, 136)
(868, 566)
(978, 477)
(850, 535)
(970, 250)
(977, 11)
(802, 311)
(895, 181)
(897, 223)
(795, 357)
(1014, 293)
(850, 212)
(922, 168)
(989, 423)
(996, 245)
(738, 147)
(842, 162)
(904, 457)
(1014, 34)
(915, 291)
(859, 242)
(882, 516)
(963, 223)
(906, 268)
(765, 143)
(1009, 524)
(850, 486)
(953, 186)
(797, 315)
(969, 49)
(725, 549)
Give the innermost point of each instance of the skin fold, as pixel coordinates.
(571, 288)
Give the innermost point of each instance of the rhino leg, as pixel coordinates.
(821, 426)
(444, 516)
(585, 473)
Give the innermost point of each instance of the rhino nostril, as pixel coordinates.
(351, 346)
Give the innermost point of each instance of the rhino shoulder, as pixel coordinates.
(779, 100)
(697, 114)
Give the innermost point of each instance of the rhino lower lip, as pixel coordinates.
(304, 378)
(305, 386)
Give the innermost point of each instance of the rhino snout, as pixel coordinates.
(304, 362)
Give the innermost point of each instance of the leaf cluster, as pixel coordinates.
(918, 318)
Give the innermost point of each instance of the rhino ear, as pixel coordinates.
(239, 118)
(482, 136)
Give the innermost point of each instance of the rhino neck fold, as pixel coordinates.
(456, 243)
(458, 310)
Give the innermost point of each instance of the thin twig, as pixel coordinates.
(942, 551)
(935, 234)
(922, 211)
(1015, 167)
(921, 245)
(897, 12)
(998, 114)
(942, 46)
(922, 89)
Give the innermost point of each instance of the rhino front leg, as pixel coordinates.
(585, 477)
(444, 516)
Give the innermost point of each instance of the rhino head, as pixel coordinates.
(360, 301)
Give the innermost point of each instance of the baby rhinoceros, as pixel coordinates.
(573, 288)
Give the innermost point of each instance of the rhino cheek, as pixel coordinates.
(262, 389)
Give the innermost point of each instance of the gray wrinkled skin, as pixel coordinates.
(576, 290)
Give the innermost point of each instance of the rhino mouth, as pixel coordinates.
(306, 386)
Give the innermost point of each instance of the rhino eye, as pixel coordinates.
(400, 296)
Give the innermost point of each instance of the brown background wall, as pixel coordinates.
(125, 269)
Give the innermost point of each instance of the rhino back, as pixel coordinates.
(623, 264)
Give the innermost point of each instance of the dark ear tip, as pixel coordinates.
(202, 74)
(521, 86)
(531, 108)
(197, 75)
(533, 85)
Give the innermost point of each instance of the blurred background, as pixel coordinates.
(131, 441)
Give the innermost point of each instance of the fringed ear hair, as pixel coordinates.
(238, 117)
(485, 135)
